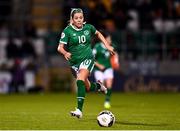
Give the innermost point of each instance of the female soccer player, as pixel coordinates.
(75, 45)
(103, 68)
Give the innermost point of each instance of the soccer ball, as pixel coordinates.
(105, 118)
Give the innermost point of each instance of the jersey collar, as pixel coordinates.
(77, 29)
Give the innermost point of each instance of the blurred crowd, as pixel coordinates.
(20, 58)
(159, 15)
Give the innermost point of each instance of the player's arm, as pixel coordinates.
(61, 49)
(101, 37)
(62, 42)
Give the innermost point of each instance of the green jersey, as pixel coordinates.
(102, 55)
(78, 42)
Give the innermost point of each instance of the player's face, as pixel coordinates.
(108, 39)
(78, 20)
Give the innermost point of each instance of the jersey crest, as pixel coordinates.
(86, 32)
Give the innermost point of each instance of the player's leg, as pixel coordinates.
(82, 76)
(81, 91)
(87, 64)
(82, 82)
(82, 73)
(95, 86)
(108, 74)
(98, 85)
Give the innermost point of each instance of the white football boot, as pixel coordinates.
(102, 88)
(77, 113)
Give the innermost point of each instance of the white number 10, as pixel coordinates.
(82, 39)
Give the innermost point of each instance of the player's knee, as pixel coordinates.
(81, 77)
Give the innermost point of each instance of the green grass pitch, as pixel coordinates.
(51, 111)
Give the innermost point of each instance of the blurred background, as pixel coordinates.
(146, 34)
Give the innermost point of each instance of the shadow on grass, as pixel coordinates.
(132, 123)
(139, 123)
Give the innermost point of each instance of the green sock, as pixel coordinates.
(108, 95)
(80, 93)
(94, 86)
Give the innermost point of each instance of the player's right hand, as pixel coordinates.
(67, 56)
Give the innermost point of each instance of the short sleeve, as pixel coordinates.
(93, 29)
(64, 37)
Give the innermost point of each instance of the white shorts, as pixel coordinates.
(107, 74)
